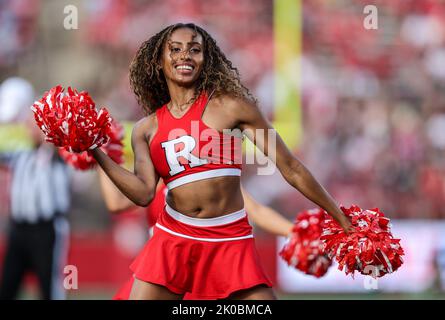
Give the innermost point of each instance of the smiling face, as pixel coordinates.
(183, 57)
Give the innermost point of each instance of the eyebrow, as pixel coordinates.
(192, 42)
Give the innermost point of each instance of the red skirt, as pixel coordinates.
(200, 258)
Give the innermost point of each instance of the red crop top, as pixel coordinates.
(185, 150)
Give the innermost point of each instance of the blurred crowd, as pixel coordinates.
(96, 56)
(374, 104)
(244, 32)
(111, 31)
(373, 100)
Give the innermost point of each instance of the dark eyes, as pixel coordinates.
(193, 50)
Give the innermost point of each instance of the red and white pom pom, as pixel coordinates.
(70, 120)
(79, 161)
(371, 249)
(113, 148)
(304, 250)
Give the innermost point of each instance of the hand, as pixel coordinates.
(346, 225)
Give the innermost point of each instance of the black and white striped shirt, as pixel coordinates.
(40, 186)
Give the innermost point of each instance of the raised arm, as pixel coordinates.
(294, 172)
(265, 217)
(138, 186)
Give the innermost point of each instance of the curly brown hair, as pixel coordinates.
(148, 82)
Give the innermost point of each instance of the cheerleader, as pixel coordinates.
(202, 240)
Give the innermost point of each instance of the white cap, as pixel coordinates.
(16, 97)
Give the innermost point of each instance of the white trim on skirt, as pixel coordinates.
(202, 239)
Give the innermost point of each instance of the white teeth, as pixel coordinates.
(184, 68)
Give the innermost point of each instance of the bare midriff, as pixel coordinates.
(207, 198)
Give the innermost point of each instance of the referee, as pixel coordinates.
(38, 229)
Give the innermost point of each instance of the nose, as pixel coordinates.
(185, 55)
